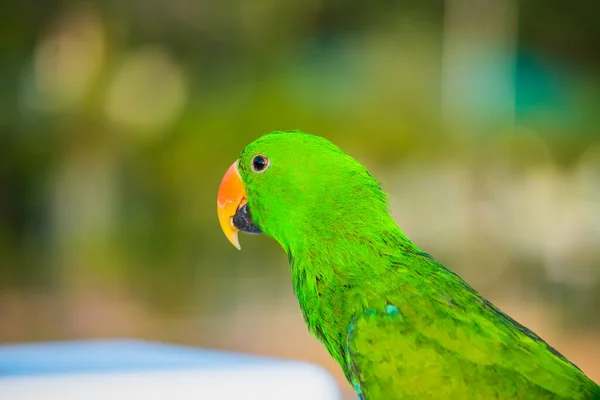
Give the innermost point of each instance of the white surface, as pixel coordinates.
(306, 382)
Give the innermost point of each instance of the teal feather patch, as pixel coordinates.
(392, 310)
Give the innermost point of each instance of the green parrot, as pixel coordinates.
(399, 323)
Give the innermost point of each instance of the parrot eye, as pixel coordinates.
(260, 163)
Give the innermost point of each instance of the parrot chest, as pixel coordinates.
(327, 307)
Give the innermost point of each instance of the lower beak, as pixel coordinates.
(230, 198)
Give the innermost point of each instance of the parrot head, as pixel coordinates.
(291, 186)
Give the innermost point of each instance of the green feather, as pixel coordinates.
(400, 324)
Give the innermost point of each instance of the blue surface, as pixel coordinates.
(115, 355)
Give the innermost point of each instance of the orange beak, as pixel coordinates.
(231, 196)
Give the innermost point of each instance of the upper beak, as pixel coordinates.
(231, 196)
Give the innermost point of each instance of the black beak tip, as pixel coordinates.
(243, 221)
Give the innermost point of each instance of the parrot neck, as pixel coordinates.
(350, 257)
(332, 278)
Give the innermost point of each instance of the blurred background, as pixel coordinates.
(119, 118)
